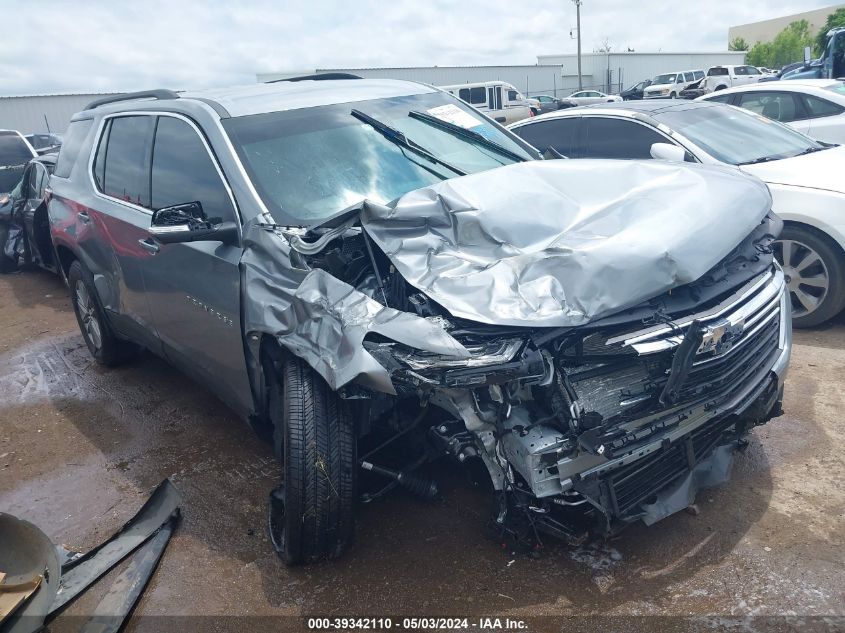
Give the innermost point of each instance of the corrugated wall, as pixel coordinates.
(535, 79)
(32, 113)
(555, 74)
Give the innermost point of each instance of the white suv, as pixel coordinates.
(721, 77)
(669, 85)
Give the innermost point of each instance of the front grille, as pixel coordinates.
(631, 485)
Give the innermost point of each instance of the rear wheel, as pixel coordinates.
(815, 275)
(311, 515)
(104, 346)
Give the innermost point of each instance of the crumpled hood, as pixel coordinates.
(819, 170)
(564, 242)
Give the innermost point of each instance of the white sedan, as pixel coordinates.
(588, 97)
(803, 175)
(815, 107)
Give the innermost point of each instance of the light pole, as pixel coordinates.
(578, 28)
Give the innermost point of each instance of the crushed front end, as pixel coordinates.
(597, 364)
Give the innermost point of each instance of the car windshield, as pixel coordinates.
(735, 136)
(309, 164)
(664, 79)
(838, 87)
(14, 155)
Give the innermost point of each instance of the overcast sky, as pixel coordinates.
(99, 46)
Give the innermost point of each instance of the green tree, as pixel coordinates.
(787, 47)
(837, 18)
(738, 44)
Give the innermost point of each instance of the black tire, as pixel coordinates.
(106, 348)
(311, 515)
(7, 264)
(812, 257)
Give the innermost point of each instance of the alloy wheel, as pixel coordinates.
(88, 315)
(806, 276)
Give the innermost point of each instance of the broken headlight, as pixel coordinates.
(493, 352)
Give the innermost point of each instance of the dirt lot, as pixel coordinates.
(81, 447)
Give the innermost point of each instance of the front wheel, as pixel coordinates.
(815, 275)
(311, 515)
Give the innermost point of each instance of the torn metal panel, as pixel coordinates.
(324, 320)
(562, 243)
(82, 571)
(127, 588)
(712, 471)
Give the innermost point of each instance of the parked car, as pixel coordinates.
(546, 103)
(804, 176)
(24, 226)
(349, 264)
(45, 143)
(815, 107)
(15, 153)
(636, 91)
(497, 99)
(694, 90)
(670, 85)
(722, 77)
(831, 65)
(588, 97)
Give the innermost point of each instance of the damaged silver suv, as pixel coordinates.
(378, 276)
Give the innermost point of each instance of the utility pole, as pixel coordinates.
(578, 28)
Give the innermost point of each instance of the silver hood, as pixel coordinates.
(564, 242)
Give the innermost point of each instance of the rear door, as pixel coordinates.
(826, 119)
(194, 288)
(121, 175)
(34, 214)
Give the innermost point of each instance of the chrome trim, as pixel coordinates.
(763, 291)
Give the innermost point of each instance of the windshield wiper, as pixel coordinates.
(810, 150)
(463, 132)
(762, 159)
(397, 137)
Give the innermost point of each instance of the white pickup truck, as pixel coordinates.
(721, 77)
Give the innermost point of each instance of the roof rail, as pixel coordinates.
(317, 77)
(129, 96)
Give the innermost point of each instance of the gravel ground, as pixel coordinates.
(81, 447)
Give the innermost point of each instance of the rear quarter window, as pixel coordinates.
(73, 140)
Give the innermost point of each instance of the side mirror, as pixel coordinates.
(807, 55)
(667, 151)
(187, 223)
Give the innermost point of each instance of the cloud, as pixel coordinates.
(100, 46)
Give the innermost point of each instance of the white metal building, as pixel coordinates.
(553, 74)
(42, 113)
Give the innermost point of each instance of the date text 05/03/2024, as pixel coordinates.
(411, 623)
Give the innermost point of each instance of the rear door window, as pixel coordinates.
(617, 138)
(557, 133)
(72, 143)
(127, 159)
(475, 96)
(183, 171)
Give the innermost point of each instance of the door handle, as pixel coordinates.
(84, 217)
(149, 246)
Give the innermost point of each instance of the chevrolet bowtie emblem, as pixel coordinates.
(721, 336)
